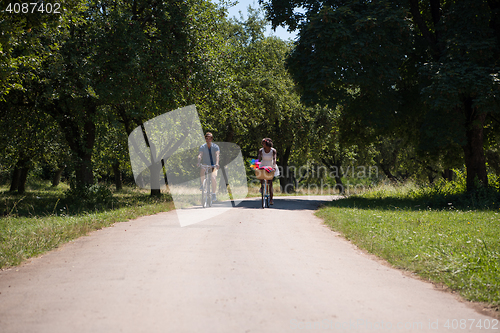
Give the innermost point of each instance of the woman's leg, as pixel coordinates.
(271, 191)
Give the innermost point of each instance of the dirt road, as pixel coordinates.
(247, 270)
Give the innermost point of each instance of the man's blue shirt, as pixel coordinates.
(209, 155)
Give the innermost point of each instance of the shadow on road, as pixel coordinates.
(287, 203)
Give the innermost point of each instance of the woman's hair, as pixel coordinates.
(268, 142)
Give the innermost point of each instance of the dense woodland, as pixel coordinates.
(411, 87)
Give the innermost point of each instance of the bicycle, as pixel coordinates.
(206, 192)
(265, 194)
(267, 177)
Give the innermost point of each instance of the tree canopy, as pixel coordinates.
(101, 68)
(430, 65)
(409, 86)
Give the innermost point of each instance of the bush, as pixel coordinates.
(89, 196)
(454, 193)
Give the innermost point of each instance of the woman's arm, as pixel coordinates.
(259, 155)
(275, 153)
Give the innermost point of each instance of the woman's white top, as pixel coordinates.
(267, 160)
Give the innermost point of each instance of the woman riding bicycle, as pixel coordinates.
(267, 157)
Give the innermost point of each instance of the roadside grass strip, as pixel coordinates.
(458, 248)
(41, 222)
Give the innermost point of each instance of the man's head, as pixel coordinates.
(209, 137)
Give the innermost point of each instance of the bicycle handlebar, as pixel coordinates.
(207, 166)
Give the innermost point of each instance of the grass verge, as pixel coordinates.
(459, 248)
(42, 219)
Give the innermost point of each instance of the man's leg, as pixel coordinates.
(214, 184)
(202, 178)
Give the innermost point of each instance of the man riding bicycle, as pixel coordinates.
(209, 155)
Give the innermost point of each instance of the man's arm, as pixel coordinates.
(217, 154)
(200, 155)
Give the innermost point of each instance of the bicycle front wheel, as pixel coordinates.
(209, 189)
(263, 195)
(268, 196)
(204, 194)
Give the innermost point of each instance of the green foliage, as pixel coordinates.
(94, 196)
(424, 70)
(444, 194)
(18, 46)
(111, 147)
(95, 65)
(254, 95)
(101, 69)
(453, 194)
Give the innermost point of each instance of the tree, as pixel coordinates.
(116, 56)
(430, 64)
(111, 150)
(260, 99)
(108, 62)
(274, 109)
(29, 137)
(333, 141)
(16, 24)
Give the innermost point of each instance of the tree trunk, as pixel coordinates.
(19, 176)
(431, 177)
(14, 182)
(156, 174)
(81, 140)
(223, 181)
(287, 183)
(448, 174)
(118, 175)
(57, 176)
(155, 192)
(23, 176)
(230, 133)
(475, 161)
(388, 173)
(83, 169)
(335, 165)
(338, 181)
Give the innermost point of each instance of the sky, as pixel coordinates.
(243, 5)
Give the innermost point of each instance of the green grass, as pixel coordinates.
(44, 218)
(456, 247)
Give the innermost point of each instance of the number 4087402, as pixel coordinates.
(33, 7)
(485, 324)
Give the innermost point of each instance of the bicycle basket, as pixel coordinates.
(263, 174)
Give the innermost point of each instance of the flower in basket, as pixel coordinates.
(254, 164)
